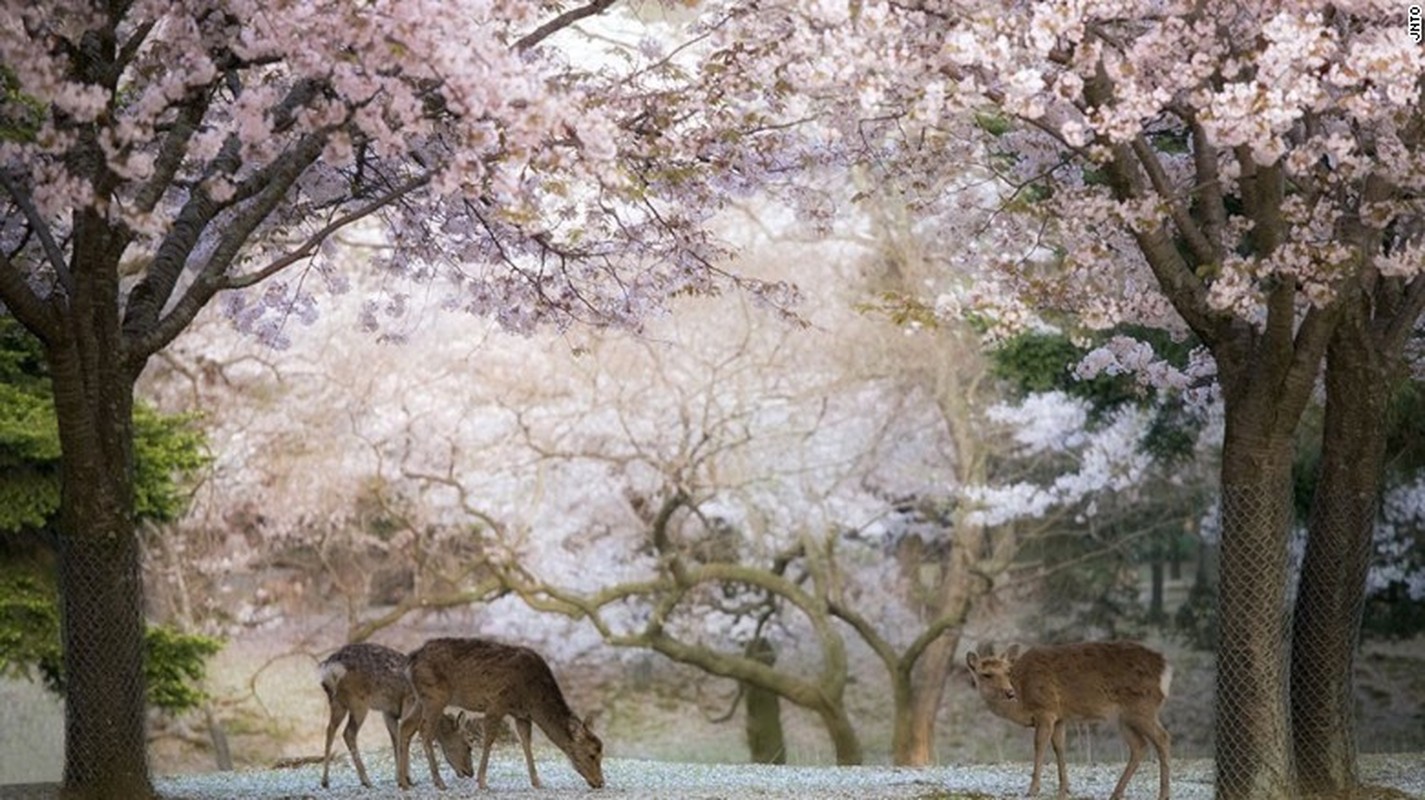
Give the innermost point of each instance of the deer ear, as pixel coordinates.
(1012, 652)
(592, 717)
(973, 660)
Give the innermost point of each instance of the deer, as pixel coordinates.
(498, 680)
(365, 676)
(1047, 686)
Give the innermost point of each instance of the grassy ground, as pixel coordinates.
(632, 779)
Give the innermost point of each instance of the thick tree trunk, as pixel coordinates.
(956, 587)
(100, 572)
(103, 640)
(1252, 742)
(1331, 595)
(927, 693)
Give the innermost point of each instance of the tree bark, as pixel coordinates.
(1331, 595)
(927, 693)
(1252, 742)
(100, 571)
(1267, 380)
(1252, 747)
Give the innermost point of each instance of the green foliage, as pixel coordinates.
(1195, 622)
(1042, 362)
(29, 625)
(20, 114)
(1098, 586)
(1392, 613)
(28, 496)
(1097, 591)
(1405, 442)
(167, 450)
(1173, 142)
(993, 124)
(29, 434)
(175, 663)
(1037, 362)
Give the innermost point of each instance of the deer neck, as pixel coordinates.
(555, 725)
(1012, 710)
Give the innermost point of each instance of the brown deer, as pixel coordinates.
(497, 680)
(1045, 687)
(362, 677)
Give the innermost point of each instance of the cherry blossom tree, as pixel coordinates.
(156, 155)
(1250, 175)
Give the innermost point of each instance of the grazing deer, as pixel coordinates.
(497, 680)
(1045, 687)
(361, 677)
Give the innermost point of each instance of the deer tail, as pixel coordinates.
(331, 673)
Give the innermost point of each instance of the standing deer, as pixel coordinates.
(1045, 687)
(498, 680)
(361, 677)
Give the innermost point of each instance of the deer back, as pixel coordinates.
(371, 673)
(1084, 681)
(488, 677)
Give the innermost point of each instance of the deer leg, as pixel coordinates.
(406, 728)
(338, 712)
(1057, 739)
(1043, 729)
(391, 720)
(526, 733)
(492, 722)
(1135, 742)
(430, 717)
(1158, 735)
(353, 727)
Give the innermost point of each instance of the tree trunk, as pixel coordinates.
(1331, 596)
(957, 586)
(1157, 607)
(765, 741)
(1252, 742)
(927, 693)
(100, 571)
(843, 734)
(822, 696)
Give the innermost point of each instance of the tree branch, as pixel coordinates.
(210, 280)
(1201, 248)
(54, 254)
(310, 245)
(1209, 190)
(21, 301)
(561, 22)
(173, 149)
